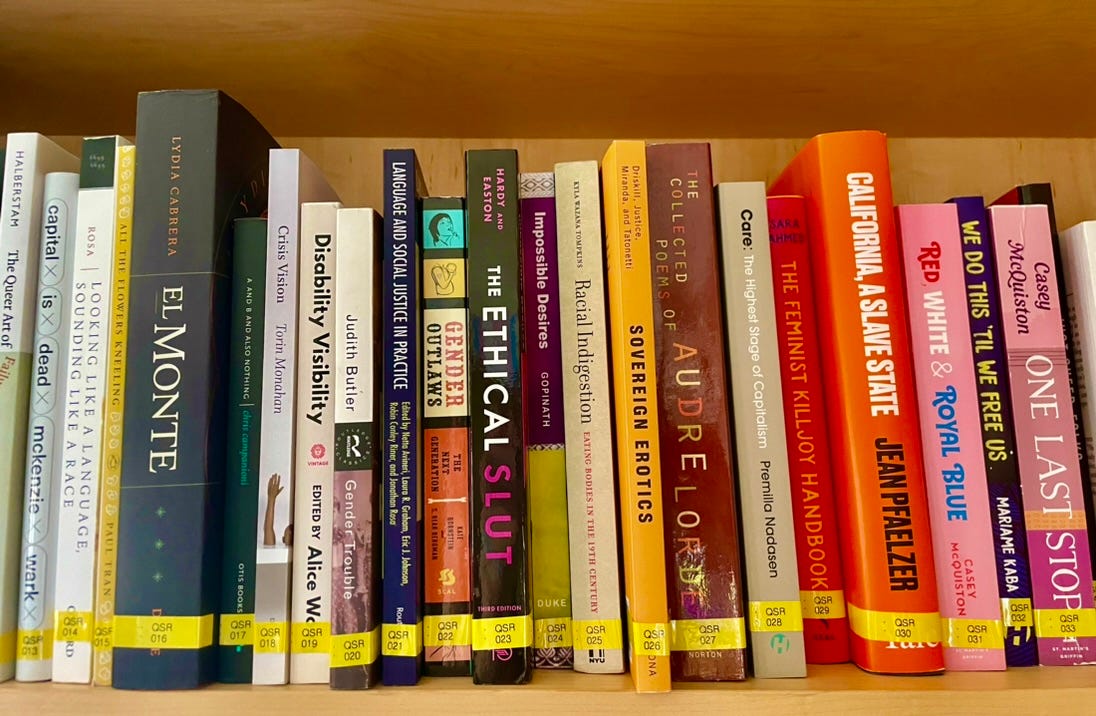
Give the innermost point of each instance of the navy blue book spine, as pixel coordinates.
(998, 433)
(202, 165)
(402, 594)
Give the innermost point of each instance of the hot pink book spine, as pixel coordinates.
(955, 471)
(1050, 476)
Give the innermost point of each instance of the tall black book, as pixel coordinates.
(502, 621)
(202, 165)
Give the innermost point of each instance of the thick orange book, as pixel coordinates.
(871, 405)
(631, 323)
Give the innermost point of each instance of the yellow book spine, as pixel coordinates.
(631, 319)
(111, 458)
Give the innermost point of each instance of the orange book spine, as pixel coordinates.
(871, 405)
(631, 321)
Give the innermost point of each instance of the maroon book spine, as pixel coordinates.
(701, 515)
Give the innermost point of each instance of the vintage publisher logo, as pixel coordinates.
(318, 451)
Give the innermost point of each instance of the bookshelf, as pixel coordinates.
(557, 79)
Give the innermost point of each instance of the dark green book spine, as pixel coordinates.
(245, 390)
(203, 162)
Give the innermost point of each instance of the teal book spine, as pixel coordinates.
(245, 390)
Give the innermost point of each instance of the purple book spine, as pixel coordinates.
(998, 433)
(545, 456)
(1050, 472)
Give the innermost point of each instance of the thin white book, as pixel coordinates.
(313, 504)
(47, 411)
(89, 333)
(28, 158)
(293, 180)
(775, 618)
(597, 630)
(1078, 247)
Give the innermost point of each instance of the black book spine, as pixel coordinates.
(502, 622)
(203, 165)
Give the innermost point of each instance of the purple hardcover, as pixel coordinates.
(998, 433)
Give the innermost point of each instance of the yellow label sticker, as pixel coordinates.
(270, 638)
(597, 634)
(1018, 613)
(776, 616)
(708, 634)
(917, 627)
(449, 630)
(160, 632)
(1065, 623)
(72, 626)
(502, 633)
(822, 604)
(401, 639)
(7, 643)
(103, 638)
(973, 633)
(651, 638)
(552, 633)
(35, 645)
(310, 638)
(237, 630)
(355, 649)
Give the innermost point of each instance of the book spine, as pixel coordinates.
(543, 400)
(355, 535)
(761, 443)
(89, 321)
(998, 434)
(203, 162)
(635, 389)
(502, 621)
(1050, 474)
(596, 628)
(34, 658)
(954, 469)
(28, 158)
(1043, 193)
(245, 389)
(821, 584)
(293, 179)
(313, 504)
(110, 463)
(447, 556)
(890, 577)
(400, 429)
(708, 631)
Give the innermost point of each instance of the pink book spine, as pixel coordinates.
(1050, 476)
(955, 470)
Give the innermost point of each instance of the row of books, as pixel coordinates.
(226, 420)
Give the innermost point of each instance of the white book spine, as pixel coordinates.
(47, 410)
(29, 157)
(78, 513)
(313, 506)
(355, 600)
(1078, 246)
(761, 444)
(591, 476)
(293, 179)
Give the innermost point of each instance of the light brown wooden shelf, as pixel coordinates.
(490, 68)
(828, 691)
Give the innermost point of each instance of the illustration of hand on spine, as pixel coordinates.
(273, 489)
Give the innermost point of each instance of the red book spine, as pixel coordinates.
(825, 623)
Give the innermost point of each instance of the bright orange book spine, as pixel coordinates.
(631, 323)
(890, 580)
